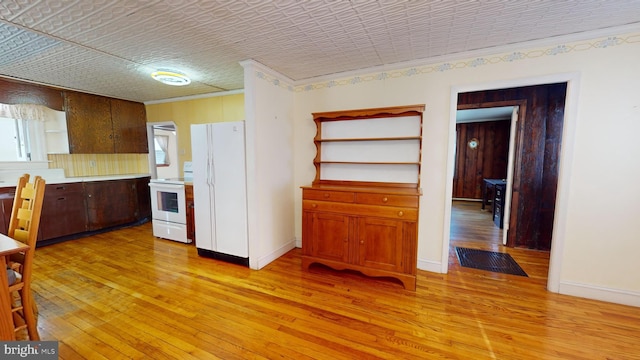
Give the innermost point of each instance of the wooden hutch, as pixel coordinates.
(361, 211)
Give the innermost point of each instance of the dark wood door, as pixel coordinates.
(89, 123)
(329, 236)
(129, 126)
(111, 203)
(64, 211)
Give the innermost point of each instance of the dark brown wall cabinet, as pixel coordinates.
(101, 125)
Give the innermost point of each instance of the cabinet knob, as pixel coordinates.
(361, 242)
(314, 205)
(400, 213)
(385, 199)
(326, 195)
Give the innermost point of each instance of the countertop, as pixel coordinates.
(66, 180)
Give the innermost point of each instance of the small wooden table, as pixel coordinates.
(488, 186)
(8, 246)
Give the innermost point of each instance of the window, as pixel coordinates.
(161, 143)
(15, 139)
(23, 128)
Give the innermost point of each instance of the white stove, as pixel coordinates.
(168, 208)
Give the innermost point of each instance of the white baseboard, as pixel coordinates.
(265, 260)
(617, 296)
(429, 265)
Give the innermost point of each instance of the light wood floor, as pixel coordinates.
(128, 295)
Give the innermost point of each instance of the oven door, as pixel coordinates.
(168, 203)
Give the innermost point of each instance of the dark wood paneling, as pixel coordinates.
(537, 154)
(488, 160)
(15, 92)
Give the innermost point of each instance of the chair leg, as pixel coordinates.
(29, 308)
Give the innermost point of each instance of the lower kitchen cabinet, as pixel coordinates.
(373, 231)
(144, 198)
(79, 208)
(6, 204)
(64, 211)
(111, 203)
(191, 221)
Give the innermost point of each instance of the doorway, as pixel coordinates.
(565, 136)
(163, 150)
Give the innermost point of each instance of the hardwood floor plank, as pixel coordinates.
(128, 295)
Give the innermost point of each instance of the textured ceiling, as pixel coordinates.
(109, 47)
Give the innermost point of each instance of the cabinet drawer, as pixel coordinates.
(325, 195)
(407, 214)
(54, 190)
(387, 200)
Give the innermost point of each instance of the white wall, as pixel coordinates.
(597, 242)
(269, 135)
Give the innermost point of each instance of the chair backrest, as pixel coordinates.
(25, 217)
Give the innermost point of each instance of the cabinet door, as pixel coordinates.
(144, 197)
(191, 224)
(64, 211)
(129, 126)
(6, 204)
(89, 123)
(380, 243)
(329, 236)
(111, 203)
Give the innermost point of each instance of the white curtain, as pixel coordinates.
(163, 142)
(29, 112)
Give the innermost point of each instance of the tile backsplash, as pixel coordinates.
(75, 165)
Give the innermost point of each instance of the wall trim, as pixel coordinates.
(430, 265)
(588, 291)
(266, 259)
(194, 97)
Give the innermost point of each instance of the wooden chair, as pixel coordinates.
(23, 227)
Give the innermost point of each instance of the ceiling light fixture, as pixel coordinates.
(171, 77)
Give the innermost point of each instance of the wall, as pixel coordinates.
(270, 172)
(488, 160)
(595, 238)
(78, 165)
(185, 112)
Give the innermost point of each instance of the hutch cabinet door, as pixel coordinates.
(330, 236)
(380, 243)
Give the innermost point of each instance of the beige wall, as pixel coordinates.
(196, 111)
(597, 235)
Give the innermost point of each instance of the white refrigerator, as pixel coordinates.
(220, 191)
